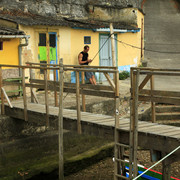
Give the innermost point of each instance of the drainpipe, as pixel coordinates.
(20, 52)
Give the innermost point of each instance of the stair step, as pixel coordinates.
(168, 116)
(170, 108)
(169, 122)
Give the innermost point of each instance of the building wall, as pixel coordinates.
(71, 42)
(77, 45)
(127, 55)
(9, 54)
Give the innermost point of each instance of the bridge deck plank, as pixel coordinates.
(105, 120)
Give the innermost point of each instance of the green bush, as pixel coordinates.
(124, 75)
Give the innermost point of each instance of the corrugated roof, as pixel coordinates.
(10, 31)
(30, 19)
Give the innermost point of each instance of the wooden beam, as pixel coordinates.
(110, 81)
(75, 66)
(70, 85)
(6, 96)
(159, 93)
(83, 96)
(24, 95)
(113, 47)
(35, 97)
(60, 122)
(31, 89)
(160, 73)
(91, 70)
(55, 91)
(2, 95)
(78, 103)
(153, 107)
(46, 98)
(144, 82)
(157, 99)
(136, 92)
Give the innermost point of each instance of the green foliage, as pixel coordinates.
(124, 75)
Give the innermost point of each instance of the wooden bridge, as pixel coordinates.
(128, 133)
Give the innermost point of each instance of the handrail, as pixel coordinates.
(81, 68)
(154, 69)
(75, 66)
(157, 162)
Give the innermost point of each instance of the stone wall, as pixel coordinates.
(69, 8)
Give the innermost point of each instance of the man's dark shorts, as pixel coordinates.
(89, 75)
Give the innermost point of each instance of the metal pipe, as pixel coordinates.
(20, 51)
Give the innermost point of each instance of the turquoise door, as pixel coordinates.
(106, 53)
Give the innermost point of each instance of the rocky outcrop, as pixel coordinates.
(67, 8)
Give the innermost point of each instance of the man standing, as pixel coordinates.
(84, 60)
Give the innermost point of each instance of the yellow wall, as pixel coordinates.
(126, 54)
(71, 43)
(77, 45)
(9, 54)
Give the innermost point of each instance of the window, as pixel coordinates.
(52, 40)
(87, 39)
(1, 46)
(42, 39)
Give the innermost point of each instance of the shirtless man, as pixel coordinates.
(84, 60)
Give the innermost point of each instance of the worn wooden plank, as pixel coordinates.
(24, 95)
(7, 98)
(153, 107)
(31, 89)
(60, 123)
(160, 93)
(166, 100)
(79, 66)
(110, 80)
(144, 82)
(55, 90)
(46, 97)
(35, 97)
(78, 103)
(83, 96)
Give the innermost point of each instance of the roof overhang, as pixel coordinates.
(118, 30)
(14, 36)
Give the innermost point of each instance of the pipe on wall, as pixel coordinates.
(20, 51)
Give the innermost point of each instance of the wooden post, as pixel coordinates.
(55, 91)
(131, 140)
(78, 103)
(83, 96)
(31, 89)
(113, 47)
(46, 97)
(2, 95)
(24, 95)
(166, 168)
(153, 107)
(135, 104)
(116, 133)
(60, 122)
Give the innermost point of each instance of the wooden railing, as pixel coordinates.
(152, 95)
(109, 91)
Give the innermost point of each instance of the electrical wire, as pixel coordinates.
(150, 50)
(102, 46)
